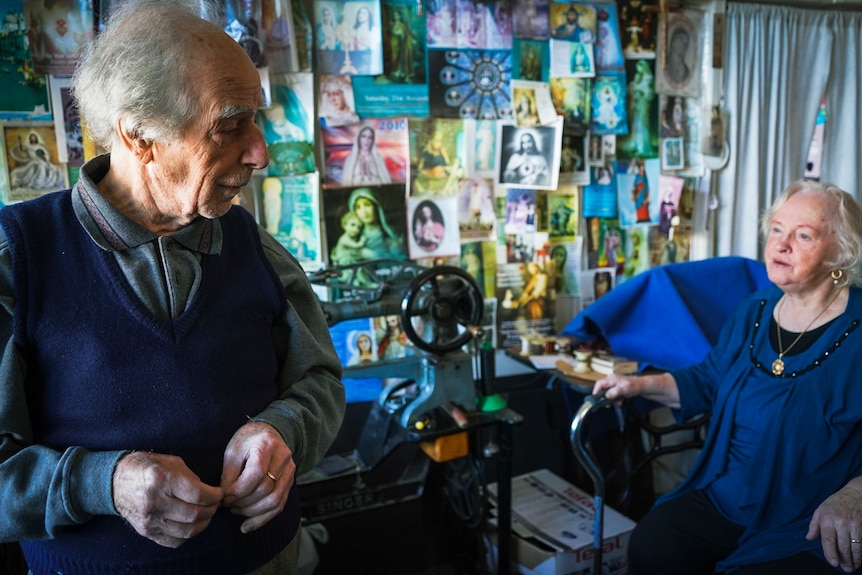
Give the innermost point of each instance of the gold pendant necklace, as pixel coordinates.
(778, 364)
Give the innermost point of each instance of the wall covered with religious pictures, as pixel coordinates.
(488, 135)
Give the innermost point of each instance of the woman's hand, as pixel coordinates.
(660, 387)
(838, 523)
(618, 387)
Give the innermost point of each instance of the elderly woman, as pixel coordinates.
(778, 485)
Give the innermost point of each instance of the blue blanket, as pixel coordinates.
(670, 316)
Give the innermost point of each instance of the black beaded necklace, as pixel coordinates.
(767, 368)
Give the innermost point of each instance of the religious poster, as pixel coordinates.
(372, 153)
(679, 59)
(530, 19)
(529, 157)
(470, 83)
(57, 32)
(365, 223)
(642, 138)
(438, 153)
(639, 28)
(31, 160)
(600, 195)
(638, 192)
(291, 214)
(609, 113)
(336, 106)
(525, 307)
(527, 60)
(67, 125)
(402, 87)
(572, 98)
(477, 219)
(25, 93)
(288, 124)
(468, 24)
(349, 37)
(433, 227)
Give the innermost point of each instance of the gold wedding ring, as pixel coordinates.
(271, 476)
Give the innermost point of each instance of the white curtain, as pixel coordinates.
(780, 62)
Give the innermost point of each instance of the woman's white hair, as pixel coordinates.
(846, 224)
(136, 74)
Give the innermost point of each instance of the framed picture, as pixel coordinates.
(679, 55)
(672, 155)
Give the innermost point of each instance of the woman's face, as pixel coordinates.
(336, 99)
(363, 342)
(800, 239)
(366, 210)
(366, 139)
(362, 15)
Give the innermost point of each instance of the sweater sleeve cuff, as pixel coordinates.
(92, 481)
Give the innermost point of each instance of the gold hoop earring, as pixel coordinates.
(836, 276)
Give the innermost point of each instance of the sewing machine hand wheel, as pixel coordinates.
(438, 301)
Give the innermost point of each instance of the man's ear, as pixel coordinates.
(134, 143)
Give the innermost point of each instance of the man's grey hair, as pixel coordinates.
(138, 73)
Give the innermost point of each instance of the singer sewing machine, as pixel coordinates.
(442, 392)
(441, 311)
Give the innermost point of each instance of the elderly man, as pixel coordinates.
(166, 369)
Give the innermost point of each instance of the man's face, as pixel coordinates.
(214, 156)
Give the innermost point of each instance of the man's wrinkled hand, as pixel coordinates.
(162, 499)
(258, 474)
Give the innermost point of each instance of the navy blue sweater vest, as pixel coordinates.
(106, 374)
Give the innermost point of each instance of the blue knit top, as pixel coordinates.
(811, 444)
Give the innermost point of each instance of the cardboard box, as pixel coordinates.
(552, 528)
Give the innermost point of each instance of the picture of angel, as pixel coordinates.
(371, 153)
(678, 70)
(336, 105)
(31, 160)
(529, 157)
(609, 111)
(477, 217)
